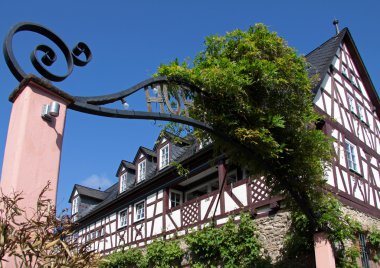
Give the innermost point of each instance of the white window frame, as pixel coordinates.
(100, 232)
(75, 205)
(123, 218)
(123, 182)
(141, 171)
(351, 103)
(361, 112)
(352, 156)
(345, 71)
(171, 192)
(164, 157)
(354, 82)
(138, 215)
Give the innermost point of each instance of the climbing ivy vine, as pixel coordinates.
(252, 87)
(232, 245)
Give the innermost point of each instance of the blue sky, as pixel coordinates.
(130, 39)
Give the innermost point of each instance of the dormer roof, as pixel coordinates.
(144, 151)
(172, 138)
(124, 164)
(88, 192)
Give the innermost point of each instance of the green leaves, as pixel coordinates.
(231, 245)
(132, 258)
(160, 254)
(164, 254)
(257, 92)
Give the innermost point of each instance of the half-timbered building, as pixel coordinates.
(152, 199)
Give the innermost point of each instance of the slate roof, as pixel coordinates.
(321, 57)
(172, 137)
(148, 151)
(89, 192)
(111, 194)
(178, 154)
(128, 164)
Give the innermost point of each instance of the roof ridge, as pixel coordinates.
(87, 187)
(339, 35)
(143, 147)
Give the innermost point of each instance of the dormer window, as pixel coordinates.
(141, 171)
(164, 156)
(123, 182)
(75, 205)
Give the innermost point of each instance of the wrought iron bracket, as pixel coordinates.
(94, 105)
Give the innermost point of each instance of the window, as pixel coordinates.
(232, 177)
(100, 232)
(175, 198)
(344, 71)
(364, 251)
(123, 182)
(141, 171)
(123, 218)
(75, 205)
(351, 156)
(164, 156)
(360, 112)
(354, 82)
(202, 189)
(140, 211)
(351, 104)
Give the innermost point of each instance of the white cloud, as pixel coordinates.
(95, 181)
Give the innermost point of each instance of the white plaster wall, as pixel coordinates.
(229, 203)
(159, 208)
(318, 100)
(241, 193)
(160, 194)
(149, 211)
(158, 225)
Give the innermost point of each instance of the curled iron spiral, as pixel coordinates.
(49, 56)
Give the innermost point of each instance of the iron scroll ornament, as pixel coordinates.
(49, 56)
(94, 105)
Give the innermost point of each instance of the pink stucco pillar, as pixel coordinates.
(324, 255)
(33, 147)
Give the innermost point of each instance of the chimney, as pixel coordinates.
(336, 23)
